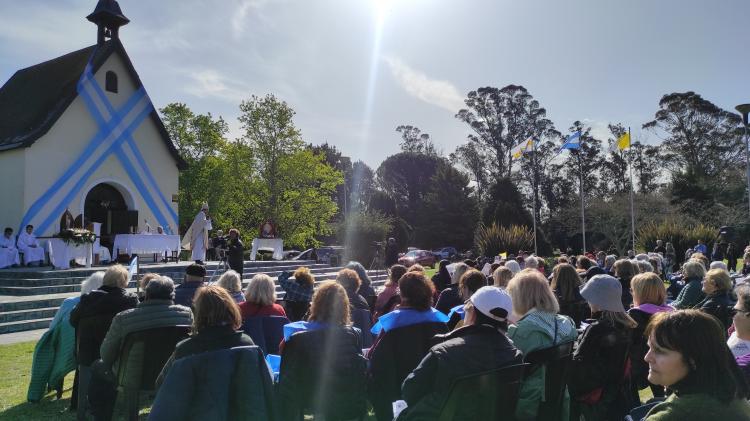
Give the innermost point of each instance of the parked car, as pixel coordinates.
(422, 257)
(331, 255)
(446, 253)
(290, 254)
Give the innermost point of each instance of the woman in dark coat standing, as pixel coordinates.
(235, 251)
(731, 256)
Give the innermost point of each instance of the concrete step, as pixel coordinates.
(27, 312)
(30, 314)
(176, 276)
(20, 326)
(50, 272)
(39, 290)
(10, 303)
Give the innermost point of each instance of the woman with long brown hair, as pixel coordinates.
(216, 320)
(322, 366)
(566, 284)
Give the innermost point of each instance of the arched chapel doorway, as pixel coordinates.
(105, 204)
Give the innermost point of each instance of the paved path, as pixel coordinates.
(25, 336)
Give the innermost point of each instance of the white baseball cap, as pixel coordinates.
(493, 302)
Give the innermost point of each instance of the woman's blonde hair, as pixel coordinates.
(261, 290)
(720, 278)
(648, 288)
(116, 277)
(230, 281)
(330, 304)
(528, 289)
(501, 276)
(213, 306)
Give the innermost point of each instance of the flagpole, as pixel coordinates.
(533, 193)
(583, 214)
(632, 207)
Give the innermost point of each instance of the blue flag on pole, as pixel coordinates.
(573, 141)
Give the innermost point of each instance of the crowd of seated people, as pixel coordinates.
(400, 354)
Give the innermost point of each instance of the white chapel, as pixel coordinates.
(78, 133)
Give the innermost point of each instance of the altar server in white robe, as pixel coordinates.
(29, 246)
(196, 237)
(8, 250)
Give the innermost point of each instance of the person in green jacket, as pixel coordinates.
(691, 294)
(688, 354)
(539, 327)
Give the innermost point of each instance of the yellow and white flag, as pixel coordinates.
(623, 142)
(523, 147)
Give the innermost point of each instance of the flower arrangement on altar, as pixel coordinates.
(77, 236)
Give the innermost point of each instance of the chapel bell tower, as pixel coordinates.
(108, 18)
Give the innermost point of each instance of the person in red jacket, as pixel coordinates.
(260, 298)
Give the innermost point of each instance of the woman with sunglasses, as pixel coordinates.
(739, 341)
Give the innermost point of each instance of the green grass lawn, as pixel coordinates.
(15, 366)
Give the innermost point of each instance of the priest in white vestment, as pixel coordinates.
(29, 246)
(8, 250)
(196, 237)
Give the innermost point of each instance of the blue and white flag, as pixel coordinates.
(132, 268)
(573, 141)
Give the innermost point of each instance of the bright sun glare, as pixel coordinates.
(381, 8)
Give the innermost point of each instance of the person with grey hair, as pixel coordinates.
(513, 266)
(531, 262)
(691, 294)
(260, 298)
(609, 261)
(231, 281)
(91, 318)
(644, 266)
(718, 265)
(156, 311)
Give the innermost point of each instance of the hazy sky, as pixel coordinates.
(353, 70)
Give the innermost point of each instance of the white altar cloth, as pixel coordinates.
(273, 243)
(60, 254)
(145, 244)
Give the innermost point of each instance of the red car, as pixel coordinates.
(422, 257)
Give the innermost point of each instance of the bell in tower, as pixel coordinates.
(108, 18)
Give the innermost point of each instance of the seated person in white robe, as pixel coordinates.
(29, 246)
(8, 250)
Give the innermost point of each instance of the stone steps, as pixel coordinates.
(75, 284)
(177, 276)
(49, 272)
(20, 326)
(33, 307)
(29, 314)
